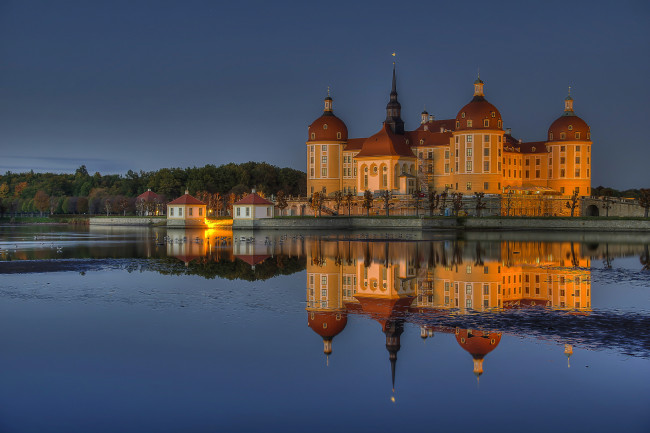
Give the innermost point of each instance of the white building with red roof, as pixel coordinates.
(252, 207)
(186, 211)
(149, 203)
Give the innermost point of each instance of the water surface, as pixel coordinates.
(127, 329)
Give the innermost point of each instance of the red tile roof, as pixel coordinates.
(254, 199)
(253, 259)
(354, 144)
(428, 138)
(148, 196)
(385, 143)
(435, 125)
(187, 199)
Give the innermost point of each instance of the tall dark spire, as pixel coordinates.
(394, 109)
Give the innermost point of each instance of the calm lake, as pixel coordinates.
(155, 330)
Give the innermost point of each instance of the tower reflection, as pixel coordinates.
(434, 284)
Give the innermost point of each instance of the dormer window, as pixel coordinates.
(469, 123)
(313, 136)
(550, 136)
(577, 136)
(499, 124)
(421, 141)
(462, 114)
(562, 135)
(407, 141)
(493, 114)
(325, 126)
(457, 124)
(338, 135)
(533, 149)
(486, 123)
(570, 127)
(588, 136)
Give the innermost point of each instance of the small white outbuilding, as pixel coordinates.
(252, 207)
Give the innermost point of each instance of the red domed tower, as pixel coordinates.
(569, 143)
(327, 137)
(476, 146)
(327, 324)
(478, 344)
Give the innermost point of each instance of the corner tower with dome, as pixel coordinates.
(472, 153)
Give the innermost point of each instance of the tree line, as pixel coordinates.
(80, 192)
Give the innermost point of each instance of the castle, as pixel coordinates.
(468, 154)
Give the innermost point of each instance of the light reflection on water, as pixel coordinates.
(386, 315)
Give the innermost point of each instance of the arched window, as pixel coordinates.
(313, 136)
(325, 126)
(338, 135)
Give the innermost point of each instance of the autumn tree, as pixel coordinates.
(433, 200)
(417, 198)
(4, 197)
(386, 196)
(644, 201)
(508, 202)
(457, 202)
(281, 201)
(573, 202)
(480, 204)
(367, 201)
(349, 200)
(338, 199)
(607, 205)
(41, 201)
(443, 200)
(317, 200)
(82, 205)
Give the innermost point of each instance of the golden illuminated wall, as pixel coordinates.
(570, 166)
(475, 161)
(324, 166)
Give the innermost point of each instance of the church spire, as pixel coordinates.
(394, 109)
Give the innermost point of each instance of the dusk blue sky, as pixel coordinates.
(120, 85)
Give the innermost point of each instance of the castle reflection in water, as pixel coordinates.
(434, 285)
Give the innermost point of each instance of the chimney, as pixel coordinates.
(253, 191)
(187, 192)
(508, 131)
(148, 189)
(442, 129)
(431, 117)
(519, 141)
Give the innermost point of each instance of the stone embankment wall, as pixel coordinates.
(618, 207)
(133, 221)
(479, 224)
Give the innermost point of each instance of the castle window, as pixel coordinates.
(462, 114)
(446, 154)
(457, 139)
(562, 135)
(420, 155)
(468, 166)
(324, 172)
(457, 124)
(486, 151)
(533, 149)
(469, 188)
(537, 161)
(527, 174)
(499, 124)
(578, 172)
(469, 123)
(527, 161)
(338, 135)
(421, 141)
(486, 138)
(562, 160)
(570, 127)
(577, 136)
(577, 160)
(324, 160)
(588, 136)
(313, 137)
(550, 136)
(562, 172)
(407, 141)
(499, 141)
(485, 187)
(375, 169)
(562, 148)
(486, 167)
(577, 147)
(325, 126)
(469, 137)
(469, 152)
(537, 174)
(312, 172)
(447, 168)
(486, 123)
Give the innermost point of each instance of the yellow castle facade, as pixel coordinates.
(468, 154)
